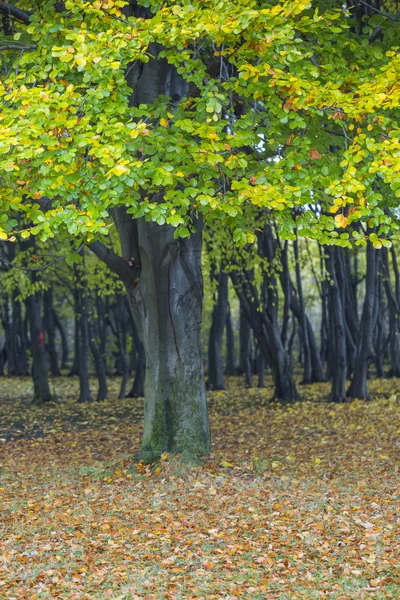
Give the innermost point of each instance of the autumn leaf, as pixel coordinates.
(314, 154)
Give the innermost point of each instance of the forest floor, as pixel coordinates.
(300, 502)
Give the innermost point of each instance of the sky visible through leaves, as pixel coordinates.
(299, 502)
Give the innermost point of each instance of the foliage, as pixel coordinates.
(290, 108)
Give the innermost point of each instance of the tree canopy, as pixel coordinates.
(286, 106)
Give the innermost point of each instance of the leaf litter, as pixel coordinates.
(295, 502)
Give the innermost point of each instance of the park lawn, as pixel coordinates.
(299, 502)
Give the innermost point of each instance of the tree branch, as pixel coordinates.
(20, 15)
(15, 46)
(119, 266)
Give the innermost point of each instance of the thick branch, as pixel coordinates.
(116, 263)
(20, 15)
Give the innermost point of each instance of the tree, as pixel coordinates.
(168, 116)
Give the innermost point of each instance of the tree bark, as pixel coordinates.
(40, 374)
(50, 328)
(339, 354)
(245, 348)
(230, 368)
(358, 386)
(215, 368)
(307, 374)
(167, 306)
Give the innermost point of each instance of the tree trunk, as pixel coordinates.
(137, 390)
(307, 374)
(230, 368)
(339, 355)
(166, 302)
(215, 368)
(82, 321)
(394, 316)
(167, 308)
(358, 387)
(50, 328)
(40, 374)
(64, 341)
(245, 348)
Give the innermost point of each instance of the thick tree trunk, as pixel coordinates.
(358, 387)
(40, 374)
(167, 308)
(166, 301)
(215, 368)
(338, 340)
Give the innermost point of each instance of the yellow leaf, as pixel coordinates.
(3, 235)
(80, 61)
(164, 122)
(341, 220)
(120, 170)
(226, 464)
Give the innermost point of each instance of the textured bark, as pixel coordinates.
(358, 387)
(215, 368)
(167, 307)
(165, 292)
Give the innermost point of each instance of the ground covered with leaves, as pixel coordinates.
(300, 502)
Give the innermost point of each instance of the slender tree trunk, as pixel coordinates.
(264, 323)
(394, 318)
(358, 387)
(215, 367)
(64, 341)
(260, 368)
(83, 332)
(307, 374)
(287, 293)
(137, 390)
(339, 362)
(50, 328)
(40, 373)
(245, 349)
(100, 367)
(230, 368)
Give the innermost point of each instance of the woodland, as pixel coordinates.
(199, 299)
